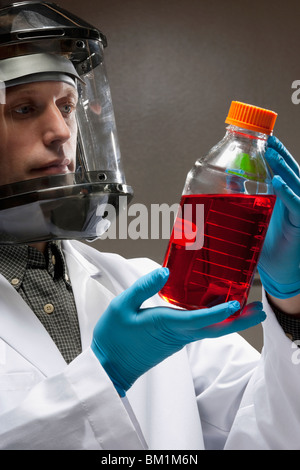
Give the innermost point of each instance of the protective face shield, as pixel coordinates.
(41, 43)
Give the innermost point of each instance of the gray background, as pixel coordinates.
(174, 67)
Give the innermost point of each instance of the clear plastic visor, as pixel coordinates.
(90, 118)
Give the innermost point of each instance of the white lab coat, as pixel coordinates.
(214, 394)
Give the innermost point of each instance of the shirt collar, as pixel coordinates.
(15, 259)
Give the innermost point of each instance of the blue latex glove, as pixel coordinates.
(280, 258)
(129, 340)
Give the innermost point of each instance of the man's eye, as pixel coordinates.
(67, 108)
(23, 110)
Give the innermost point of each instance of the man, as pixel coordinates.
(83, 366)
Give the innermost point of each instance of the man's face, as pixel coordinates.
(38, 131)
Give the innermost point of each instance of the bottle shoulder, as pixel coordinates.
(233, 164)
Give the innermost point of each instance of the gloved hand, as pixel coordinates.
(129, 340)
(279, 263)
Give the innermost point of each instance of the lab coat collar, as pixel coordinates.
(91, 297)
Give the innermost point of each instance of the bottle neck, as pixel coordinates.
(240, 132)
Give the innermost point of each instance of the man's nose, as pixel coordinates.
(55, 130)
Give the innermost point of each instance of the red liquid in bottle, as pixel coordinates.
(221, 270)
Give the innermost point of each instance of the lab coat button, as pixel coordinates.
(49, 308)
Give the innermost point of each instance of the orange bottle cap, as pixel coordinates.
(251, 117)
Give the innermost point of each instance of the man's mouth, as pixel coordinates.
(56, 167)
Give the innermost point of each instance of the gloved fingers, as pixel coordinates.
(281, 168)
(289, 199)
(276, 145)
(251, 315)
(191, 321)
(203, 318)
(144, 288)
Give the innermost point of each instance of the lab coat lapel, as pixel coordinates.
(91, 297)
(21, 329)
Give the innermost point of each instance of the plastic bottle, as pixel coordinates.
(225, 209)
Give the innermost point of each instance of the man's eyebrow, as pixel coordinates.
(24, 91)
(69, 93)
(29, 91)
(72, 93)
